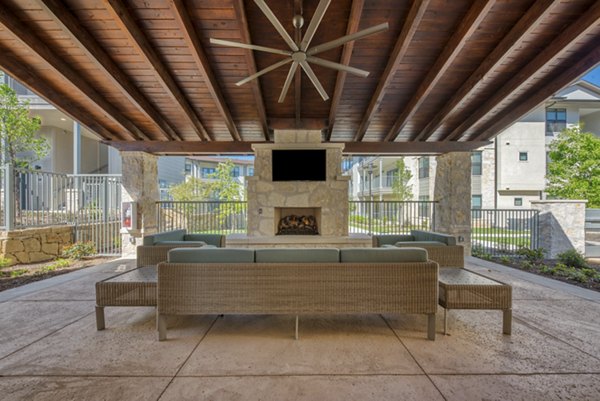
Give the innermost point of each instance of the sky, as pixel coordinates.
(593, 76)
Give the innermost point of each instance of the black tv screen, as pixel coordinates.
(299, 165)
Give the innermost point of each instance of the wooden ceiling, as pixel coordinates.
(446, 75)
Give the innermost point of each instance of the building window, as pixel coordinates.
(476, 163)
(390, 177)
(476, 204)
(236, 171)
(523, 156)
(250, 171)
(518, 202)
(188, 168)
(556, 121)
(424, 167)
(206, 171)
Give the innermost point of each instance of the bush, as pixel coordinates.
(572, 258)
(4, 262)
(80, 250)
(505, 260)
(532, 255)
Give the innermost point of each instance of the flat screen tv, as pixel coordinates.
(299, 165)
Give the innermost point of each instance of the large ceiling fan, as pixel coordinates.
(301, 54)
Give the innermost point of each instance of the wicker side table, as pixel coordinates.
(464, 289)
(133, 288)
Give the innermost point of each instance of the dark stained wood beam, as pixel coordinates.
(579, 63)
(191, 37)
(34, 43)
(126, 21)
(530, 21)
(26, 75)
(237, 147)
(353, 23)
(69, 23)
(413, 19)
(242, 20)
(556, 49)
(292, 123)
(463, 32)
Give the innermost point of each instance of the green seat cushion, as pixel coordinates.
(189, 243)
(382, 255)
(391, 239)
(297, 255)
(416, 244)
(210, 255)
(210, 239)
(433, 236)
(174, 235)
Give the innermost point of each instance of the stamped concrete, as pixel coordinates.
(50, 349)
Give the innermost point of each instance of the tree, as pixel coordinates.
(18, 130)
(574, 167)
(400, 188)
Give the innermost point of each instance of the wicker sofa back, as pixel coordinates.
(442, 248)
(278, 285)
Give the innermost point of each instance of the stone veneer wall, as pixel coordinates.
(562, 225)
(264, 195)
(33, 245)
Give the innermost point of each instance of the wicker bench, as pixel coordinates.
(464, 289)
(133, 288)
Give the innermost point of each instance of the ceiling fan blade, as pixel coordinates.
(337, 66)
(273, 19)
(251, 47)
(314, 23)
(348, 38)
(264, 71)
(313, 78)
(288, 81)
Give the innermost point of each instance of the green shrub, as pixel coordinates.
(545, 269)
(532, 255)
(572, 258)
(526, 265)
(57, 264)
(79, 250)
(18, 272)
(4, 262)
(505, 260)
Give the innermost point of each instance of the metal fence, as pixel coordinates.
(499, 232)
(89, 203)
(592, 233)
(217, 217)
(390, 217)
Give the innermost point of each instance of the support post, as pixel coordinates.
(9, 197)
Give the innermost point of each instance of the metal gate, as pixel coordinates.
(592, 233)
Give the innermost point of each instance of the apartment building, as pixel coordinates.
(507, 174)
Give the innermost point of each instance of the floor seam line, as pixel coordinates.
(188, 358)
(413, 357)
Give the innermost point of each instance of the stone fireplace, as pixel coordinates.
(326, 200)
(306, 220)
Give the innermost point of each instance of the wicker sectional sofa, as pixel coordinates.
(441, 248)
(297, 281)
(155, 247)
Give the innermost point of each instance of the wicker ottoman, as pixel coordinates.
(464, 289)
(133, 288)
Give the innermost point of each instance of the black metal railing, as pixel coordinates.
(390, 217)
(217, 217)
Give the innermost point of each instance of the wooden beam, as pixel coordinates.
(25, 35)
(409, 29)
(259, 102)
(353, 23)
(530, 21)
(237, 147)
(463, 32)
(191, 37)
(69, 23)
(126, 21)
(555, 50)
(578, 64)
(26, 75)
(292, 123)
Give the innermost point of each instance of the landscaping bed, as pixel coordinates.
(570, 267)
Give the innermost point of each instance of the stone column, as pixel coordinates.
(139, 184)
(562, 225)
(452, 191)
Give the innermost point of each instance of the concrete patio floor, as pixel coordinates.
(50, 349)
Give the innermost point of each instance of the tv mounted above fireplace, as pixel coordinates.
(299, 164)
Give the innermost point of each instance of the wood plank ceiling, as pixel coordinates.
(445, 76)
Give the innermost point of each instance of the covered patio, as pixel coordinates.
(50, 349)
